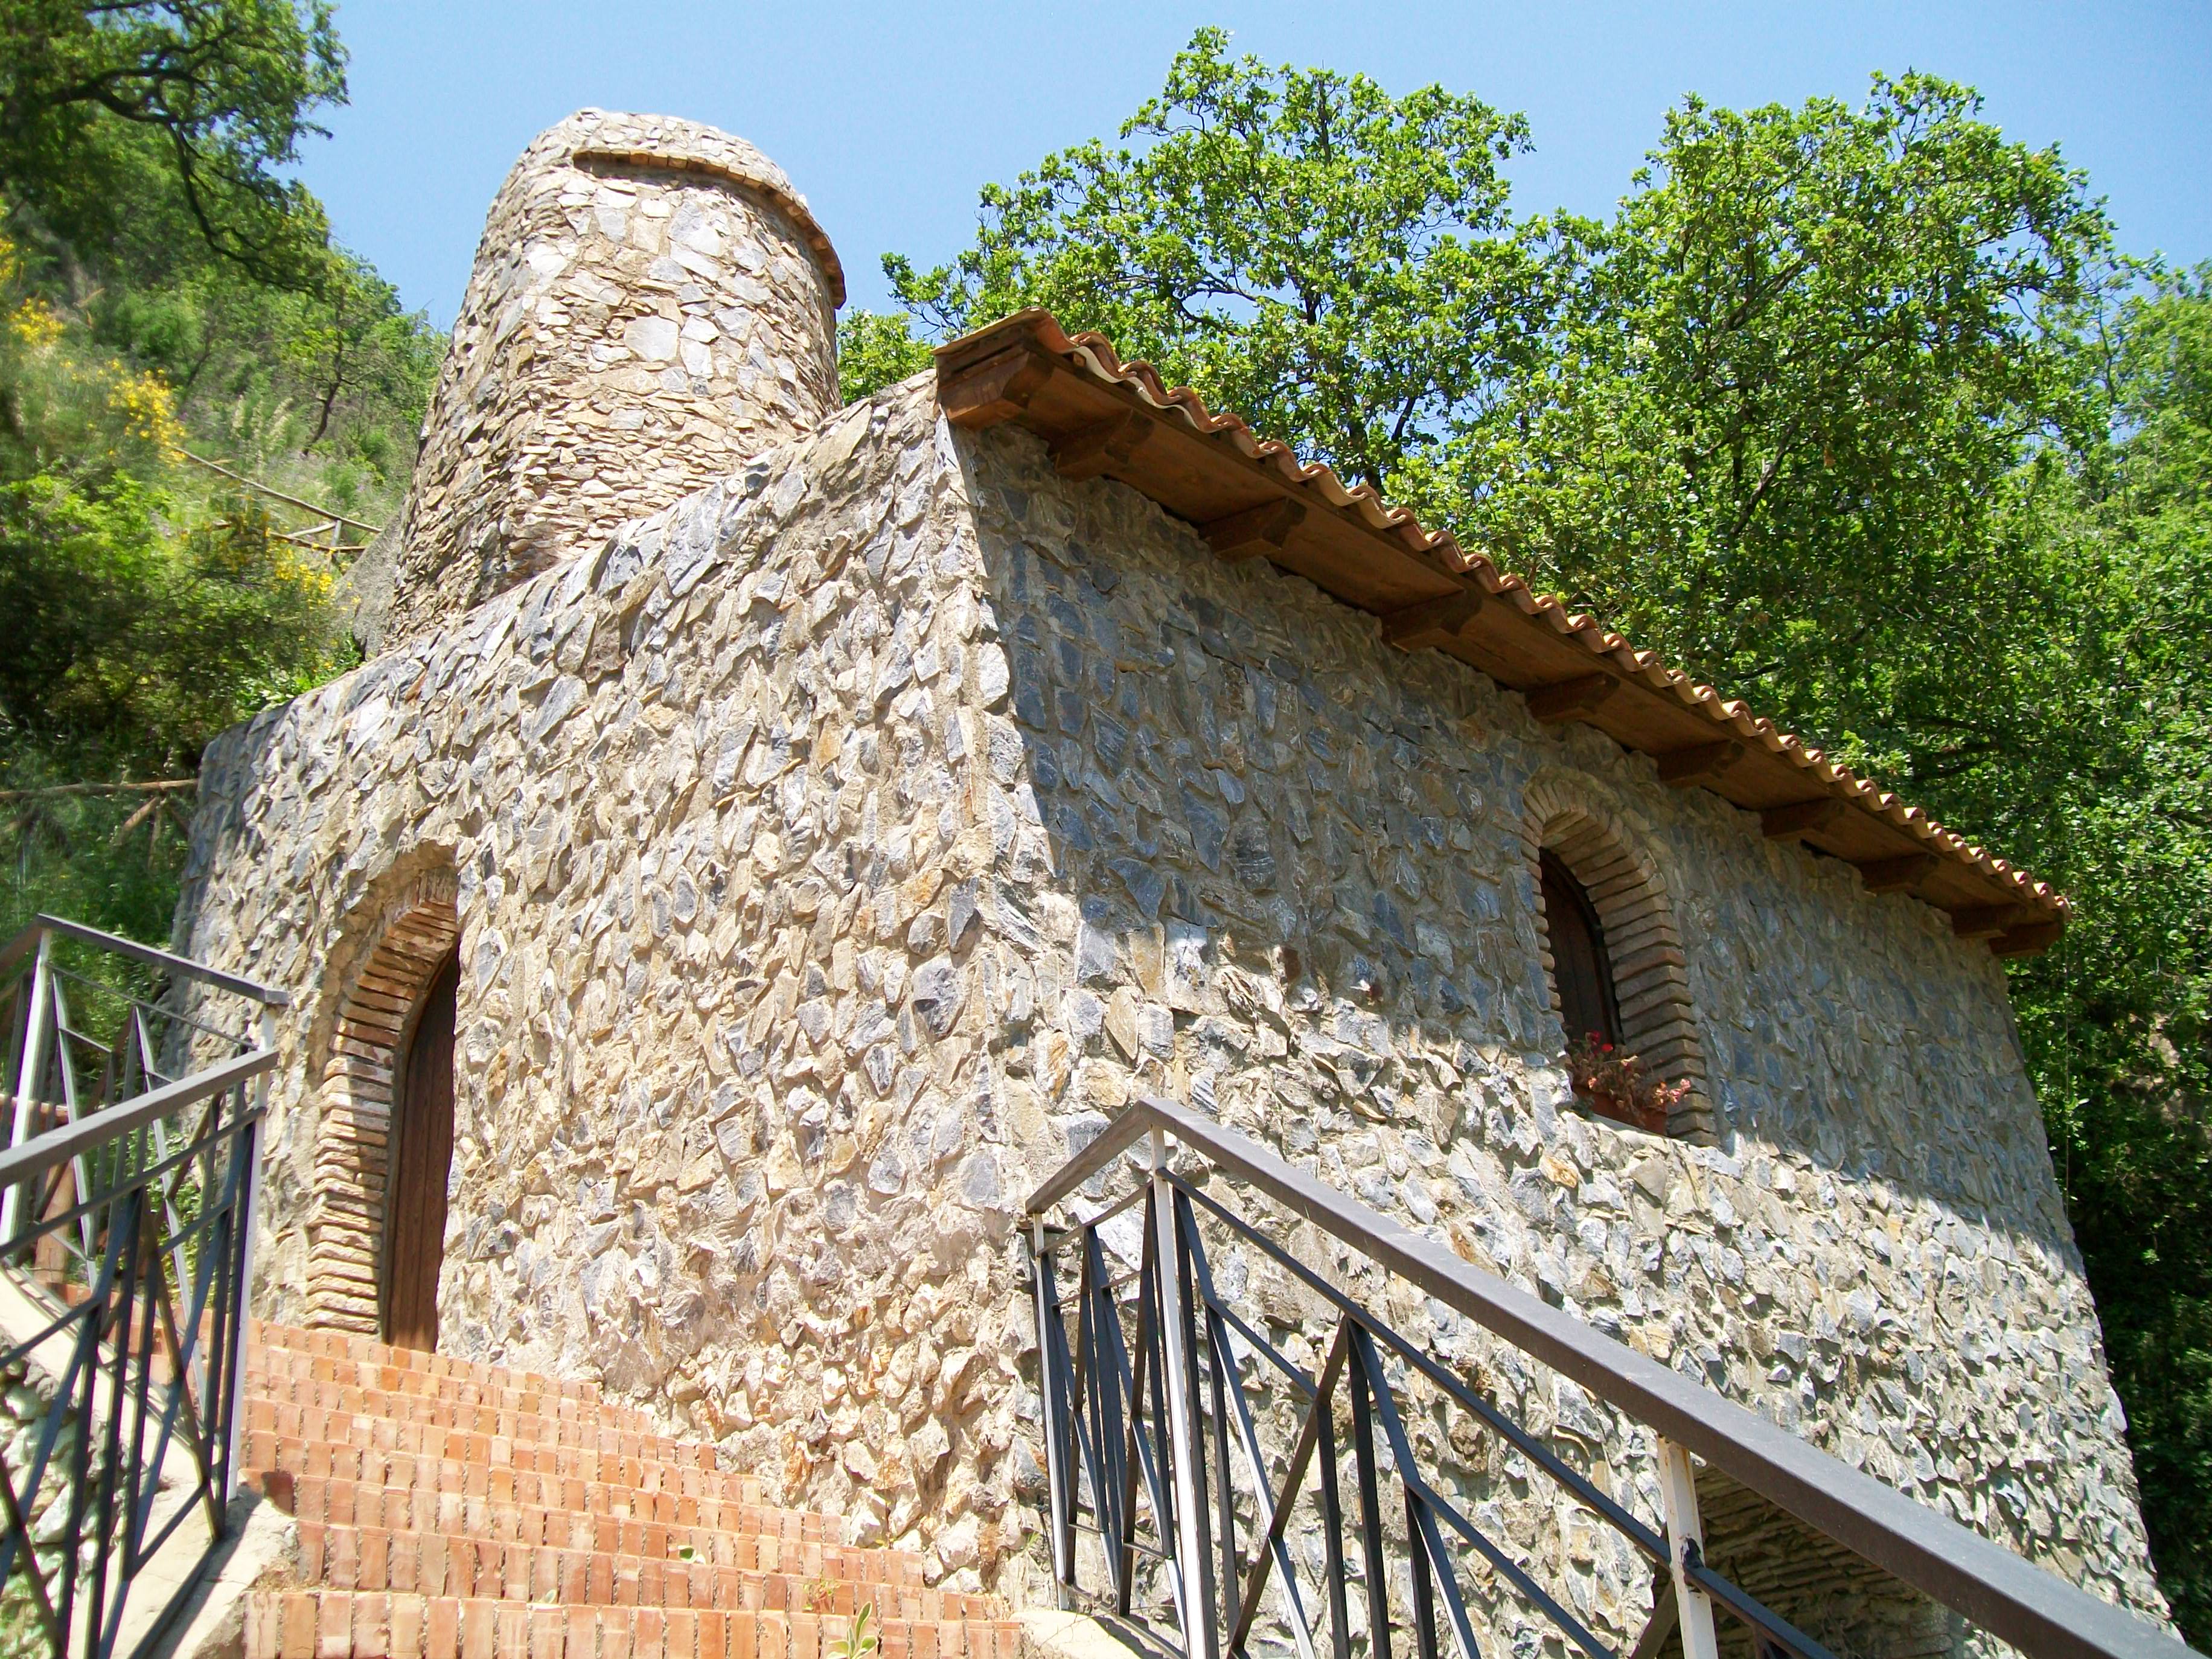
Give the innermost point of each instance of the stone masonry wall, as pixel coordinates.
(1288, 885)
(651, 303)
(728, 1134)
(837, 849)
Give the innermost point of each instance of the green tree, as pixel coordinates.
(1788, 387)
(1336, 264)
(167, 287)
(2117, 1019)
(144, 645)
(874, 349)
(326, 366)
(224, 88)
(144, 619)
(326, 387)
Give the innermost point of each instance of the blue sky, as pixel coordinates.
(890, 118)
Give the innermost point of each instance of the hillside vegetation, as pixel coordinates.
(165, 295)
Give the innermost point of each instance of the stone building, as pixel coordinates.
(820, 820)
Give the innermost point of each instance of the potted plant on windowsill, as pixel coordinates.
(1616, 1086)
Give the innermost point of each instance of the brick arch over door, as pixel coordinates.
(413, 933)
(1649, 969)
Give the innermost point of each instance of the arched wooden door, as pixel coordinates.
(422, 1154)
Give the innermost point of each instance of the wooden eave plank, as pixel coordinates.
(1522, 653)
(1514, 639)
(1202, 477)
(1655, 723)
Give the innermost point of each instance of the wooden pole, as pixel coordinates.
(1678, 1489)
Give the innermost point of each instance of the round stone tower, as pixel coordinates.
(651, 303)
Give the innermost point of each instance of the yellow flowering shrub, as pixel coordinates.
(148, 407)
(314, 580)
(35, 323)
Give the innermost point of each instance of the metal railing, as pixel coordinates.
(126, 1200)
(1147, 1421)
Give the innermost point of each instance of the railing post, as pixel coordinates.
(241, 1292)
(248, 1219)
(1055, 1472)
(1678, 1492)
(27, 1076)
(1201, 1640)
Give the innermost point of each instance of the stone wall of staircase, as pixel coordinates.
(730, 1137)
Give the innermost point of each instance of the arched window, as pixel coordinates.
(1615, 961)
(1589, 1006)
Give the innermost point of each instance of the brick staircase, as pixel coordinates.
(447, 1508)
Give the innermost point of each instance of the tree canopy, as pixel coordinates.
(1853, 410)
(1334, 263)
(220, 91)
(166, 292)
(1784, 391)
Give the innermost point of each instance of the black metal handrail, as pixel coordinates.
(44, 927)
(126, 1201)
(58, 1070)
(1122, 1405)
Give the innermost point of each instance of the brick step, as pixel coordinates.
(342, 1625)
(452, 1510)
(369, 1558)
(365, 1448)
(677, 1503)
(747, 1536)
(279, 1367)
(344, 1345)
(288, 1405)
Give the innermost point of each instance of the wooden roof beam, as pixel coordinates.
(1897, 875)
(1432, 622)
(1256, 532)
(1109, 446)
(996, 389)
(2029, 940)
(1987, 921)
(1702, 764)
(1570, 700)
(1801, 819)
